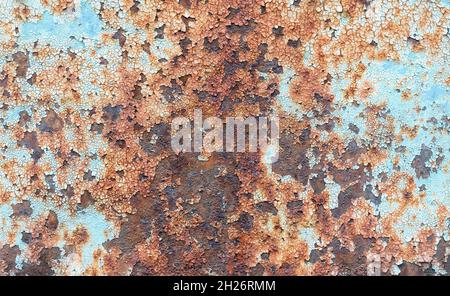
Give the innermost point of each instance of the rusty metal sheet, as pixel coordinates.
(89, 183)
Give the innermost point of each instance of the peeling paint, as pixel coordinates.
(89, 184)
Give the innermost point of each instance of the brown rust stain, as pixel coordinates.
(230, 214)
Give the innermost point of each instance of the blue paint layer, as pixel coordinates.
(61, 33)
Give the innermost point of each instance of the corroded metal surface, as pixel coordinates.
(90, 185)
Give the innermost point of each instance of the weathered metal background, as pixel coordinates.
(89, 184)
